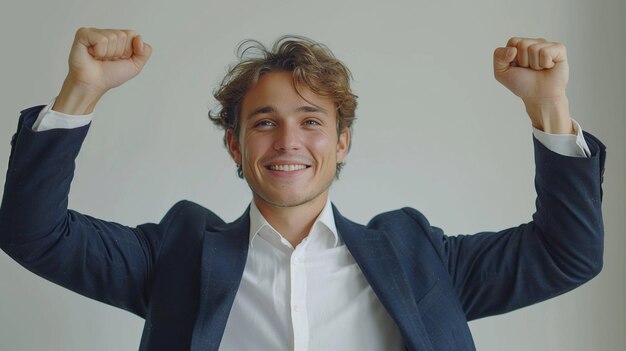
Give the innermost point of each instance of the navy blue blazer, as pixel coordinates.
(182, 273)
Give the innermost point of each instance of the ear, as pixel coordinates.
(234, 147)
(343, 145)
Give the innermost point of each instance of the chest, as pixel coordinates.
(307, 299)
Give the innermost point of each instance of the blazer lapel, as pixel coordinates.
(224, 253)
(377, 258)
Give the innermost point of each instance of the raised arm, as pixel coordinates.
(103, 260)
(562, 247)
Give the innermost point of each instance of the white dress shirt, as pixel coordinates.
(313, 296)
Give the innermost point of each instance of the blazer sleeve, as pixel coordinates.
(102, 260)
(560, 249)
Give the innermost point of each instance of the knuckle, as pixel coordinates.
(513, 41)
(82, 32)
(121, 35)
(524, 43)
(111, 36)
(534, 49)
(102, 40)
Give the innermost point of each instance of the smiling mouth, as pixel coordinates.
(287, 168)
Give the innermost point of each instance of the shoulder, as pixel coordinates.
(403, 217)
(189, 211)
(409, 227)
(182, 228)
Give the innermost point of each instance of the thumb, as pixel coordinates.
(502, 58)
(141, 51)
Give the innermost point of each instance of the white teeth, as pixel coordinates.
(287, 168)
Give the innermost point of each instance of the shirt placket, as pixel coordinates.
(298, 298)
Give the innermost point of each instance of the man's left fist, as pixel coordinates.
(536, 70)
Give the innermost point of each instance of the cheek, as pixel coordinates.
(323, 145)
(254, 148)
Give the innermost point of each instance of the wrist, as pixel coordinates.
(75, 99)
(550, 115)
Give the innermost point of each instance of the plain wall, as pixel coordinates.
(427, 96)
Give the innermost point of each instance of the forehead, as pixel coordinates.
(277, 90)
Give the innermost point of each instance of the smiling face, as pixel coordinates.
(288, 147)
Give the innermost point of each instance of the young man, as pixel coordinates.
(292, 273)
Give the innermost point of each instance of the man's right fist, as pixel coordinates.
(100, 59)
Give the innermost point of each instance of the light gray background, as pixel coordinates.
(435, 131)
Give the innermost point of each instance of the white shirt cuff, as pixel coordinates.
(50, 119)
(565, 144)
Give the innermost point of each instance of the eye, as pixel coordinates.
(264, 123)
(312, 122)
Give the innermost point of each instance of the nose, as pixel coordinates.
(287, 138)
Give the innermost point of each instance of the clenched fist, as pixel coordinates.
(100, 59)
(537, 71)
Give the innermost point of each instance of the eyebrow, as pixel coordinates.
(271, 109)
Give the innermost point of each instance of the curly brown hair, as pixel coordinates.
(313, 65)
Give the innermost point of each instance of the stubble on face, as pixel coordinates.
(289, 126)
(292, 202)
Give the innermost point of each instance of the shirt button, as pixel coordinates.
(296, 308)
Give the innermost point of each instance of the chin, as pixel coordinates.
(282, 201)
(286, 200)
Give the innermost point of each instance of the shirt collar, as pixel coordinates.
(326, 218)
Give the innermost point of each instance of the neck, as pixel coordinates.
(294, 222)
